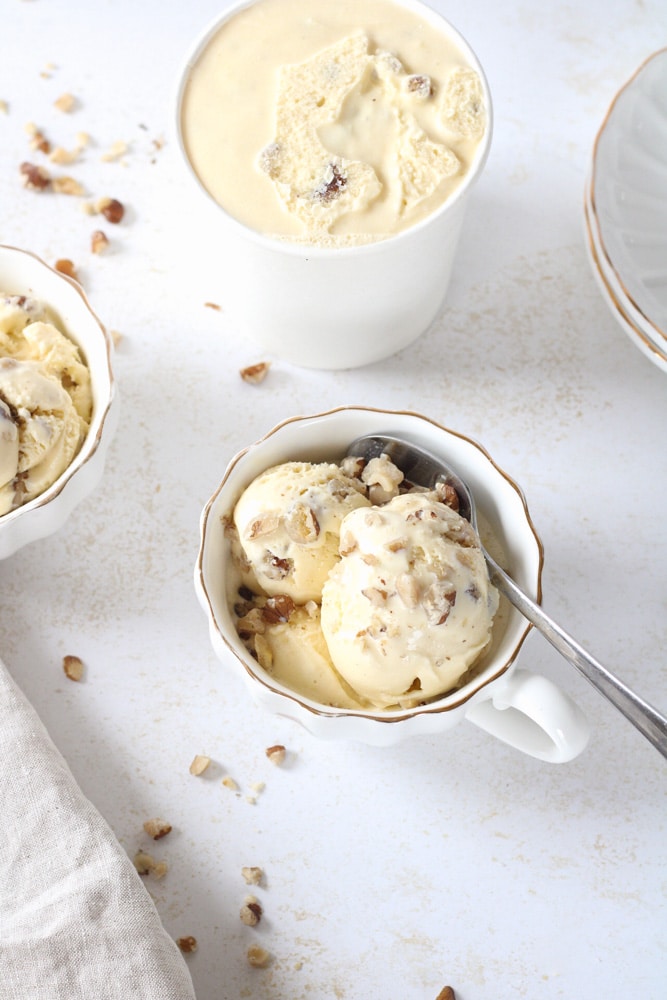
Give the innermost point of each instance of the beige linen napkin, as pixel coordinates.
(75, 919)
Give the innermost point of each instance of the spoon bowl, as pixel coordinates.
(421, 468)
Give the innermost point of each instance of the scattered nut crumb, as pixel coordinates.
(213, 305)
(116, 337)
(66, 266)
(230, 783)
(144, 863)
(73, 667)
(82, 140)
(258, 957)
(187, 944)
(276, 754)
(199, 764)
(252, 875)
(446, 993)
(112, 209)
(99, 241)
(160, 869)
(254, 374)
(35, 178)
(4, 107)
(117, 150)
(66, 103)
(61, 155)
(251, 911)
(147, 865)
(67, 185)
(157, 828)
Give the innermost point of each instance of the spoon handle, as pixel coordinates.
(643, 716)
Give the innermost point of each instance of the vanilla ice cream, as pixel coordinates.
(409, 607)
(288, 523)
(391, 608)
(331, 124)
(45, 401)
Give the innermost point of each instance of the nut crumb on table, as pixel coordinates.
(199, 764)
(254, 374)
(258, 957)
(251, 911)
(446, 993)
(276, 754)
(188, 944)
(65, 266)
(65, 103)
(252, 875)
(157, 828)
(73, 667)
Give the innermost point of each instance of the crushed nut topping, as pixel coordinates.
(73, 667)
(277, 609)
(277, 568)
(263, 525)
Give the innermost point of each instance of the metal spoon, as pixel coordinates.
(423, 469)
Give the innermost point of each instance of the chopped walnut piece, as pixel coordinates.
(446, 993)
(73, 667)
(447, 494)
(112, 209)
(99, 241)
(438, 601)
(67, 185)
(258, 957)
(251, 911)
(199, 764)
(263, 525)
(254, 374)
(157, 828)
(407, 589)
(277, 609)
(66, 103)
(252, 875)
(187, 944)
(332, 185)
(35, 178)
(276, 754)
(230, 784)
(301, 524)
(66, 266)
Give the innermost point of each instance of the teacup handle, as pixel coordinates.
(530, 713)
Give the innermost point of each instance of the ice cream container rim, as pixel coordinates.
(294, 248)
(102, 404)
(446, 703)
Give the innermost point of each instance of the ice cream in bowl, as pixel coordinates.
(332, 149)
(57, 398)
(359, 605)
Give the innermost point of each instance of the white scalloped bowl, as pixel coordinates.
(326, 436)
(628, 195)
(23, 273)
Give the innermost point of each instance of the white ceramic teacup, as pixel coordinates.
(334, 308)
(524, 709)
(22, 273)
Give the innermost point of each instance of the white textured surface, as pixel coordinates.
(389, 873)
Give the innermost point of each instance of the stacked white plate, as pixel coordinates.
(625, 208)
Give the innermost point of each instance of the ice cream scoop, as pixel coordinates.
(424, 469)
